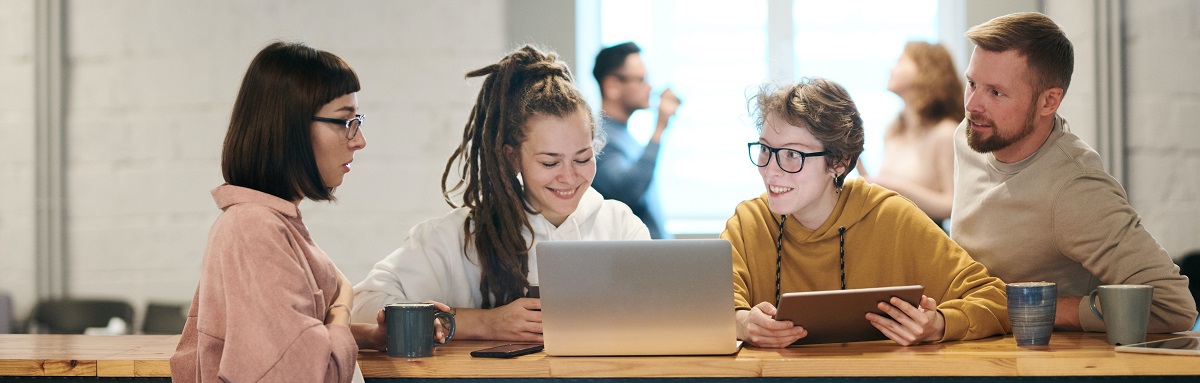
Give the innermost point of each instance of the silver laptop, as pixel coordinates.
(663, 297)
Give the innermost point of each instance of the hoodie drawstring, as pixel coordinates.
(779, 256)
(842, 254)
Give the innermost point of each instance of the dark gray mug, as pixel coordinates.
(411, 330)
(1125, 310)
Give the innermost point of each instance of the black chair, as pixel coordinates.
(74, 316)
(1189, 266)
(6, 314)
(163, 318)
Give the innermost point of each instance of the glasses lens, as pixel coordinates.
(790, 160)
(352, 126)
(759, 155)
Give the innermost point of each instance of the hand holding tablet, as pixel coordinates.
(836, 316)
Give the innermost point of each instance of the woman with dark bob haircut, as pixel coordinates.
(271, 305)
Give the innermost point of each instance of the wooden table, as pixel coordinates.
(86, 355)
(1069, 354)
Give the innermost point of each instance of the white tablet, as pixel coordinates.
(1188, 345)
(837, 316)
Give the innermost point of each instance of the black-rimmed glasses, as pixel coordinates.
(351, 125)
(635, 80)
(789, 160)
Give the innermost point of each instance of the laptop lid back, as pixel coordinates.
(663, 297)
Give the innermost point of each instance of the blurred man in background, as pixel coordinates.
(625, 170)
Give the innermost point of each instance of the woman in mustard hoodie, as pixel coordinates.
(812, 230)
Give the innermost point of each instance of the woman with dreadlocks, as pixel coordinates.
(524, 169)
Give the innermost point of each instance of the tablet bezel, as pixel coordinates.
(1150, 347)
(838, 316)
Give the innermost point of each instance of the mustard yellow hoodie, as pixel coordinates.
(888, 242)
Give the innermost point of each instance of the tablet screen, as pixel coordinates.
(1185, 345)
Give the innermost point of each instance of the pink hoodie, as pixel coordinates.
(259, 309)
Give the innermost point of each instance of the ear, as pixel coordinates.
(514, 157)
(610, 87)
(1049, 101)
(849, 163)
(838, 168)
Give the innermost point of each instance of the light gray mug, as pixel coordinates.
(410, 329)
(1125, 310)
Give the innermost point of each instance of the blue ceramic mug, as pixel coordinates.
(1031, 310)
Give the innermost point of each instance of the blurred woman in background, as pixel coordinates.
(918, 150)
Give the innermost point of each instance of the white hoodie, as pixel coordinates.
(434, 263)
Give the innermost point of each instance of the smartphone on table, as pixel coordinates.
(507, 351)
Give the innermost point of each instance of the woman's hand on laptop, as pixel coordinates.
(908, 325)
(518, 321)
(759, 327)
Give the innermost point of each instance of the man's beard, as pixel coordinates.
(998, 141)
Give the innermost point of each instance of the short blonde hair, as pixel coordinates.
(1037, 38)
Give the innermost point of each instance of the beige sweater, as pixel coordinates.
(260, 307)
(1057, 216)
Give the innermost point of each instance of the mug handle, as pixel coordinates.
(449, 318)
(1092, 304)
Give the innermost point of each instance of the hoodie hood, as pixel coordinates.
(570, 229)
(855, 202)
(580, 225)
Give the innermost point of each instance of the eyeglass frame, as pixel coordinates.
(351, 131)
(624, 78)
(774, 152)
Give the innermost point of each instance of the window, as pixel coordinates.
(856, 43)
(715, 54)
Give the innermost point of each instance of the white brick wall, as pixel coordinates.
(1079, 106)
(17, 236)
(150, 92)
(1163, 140)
